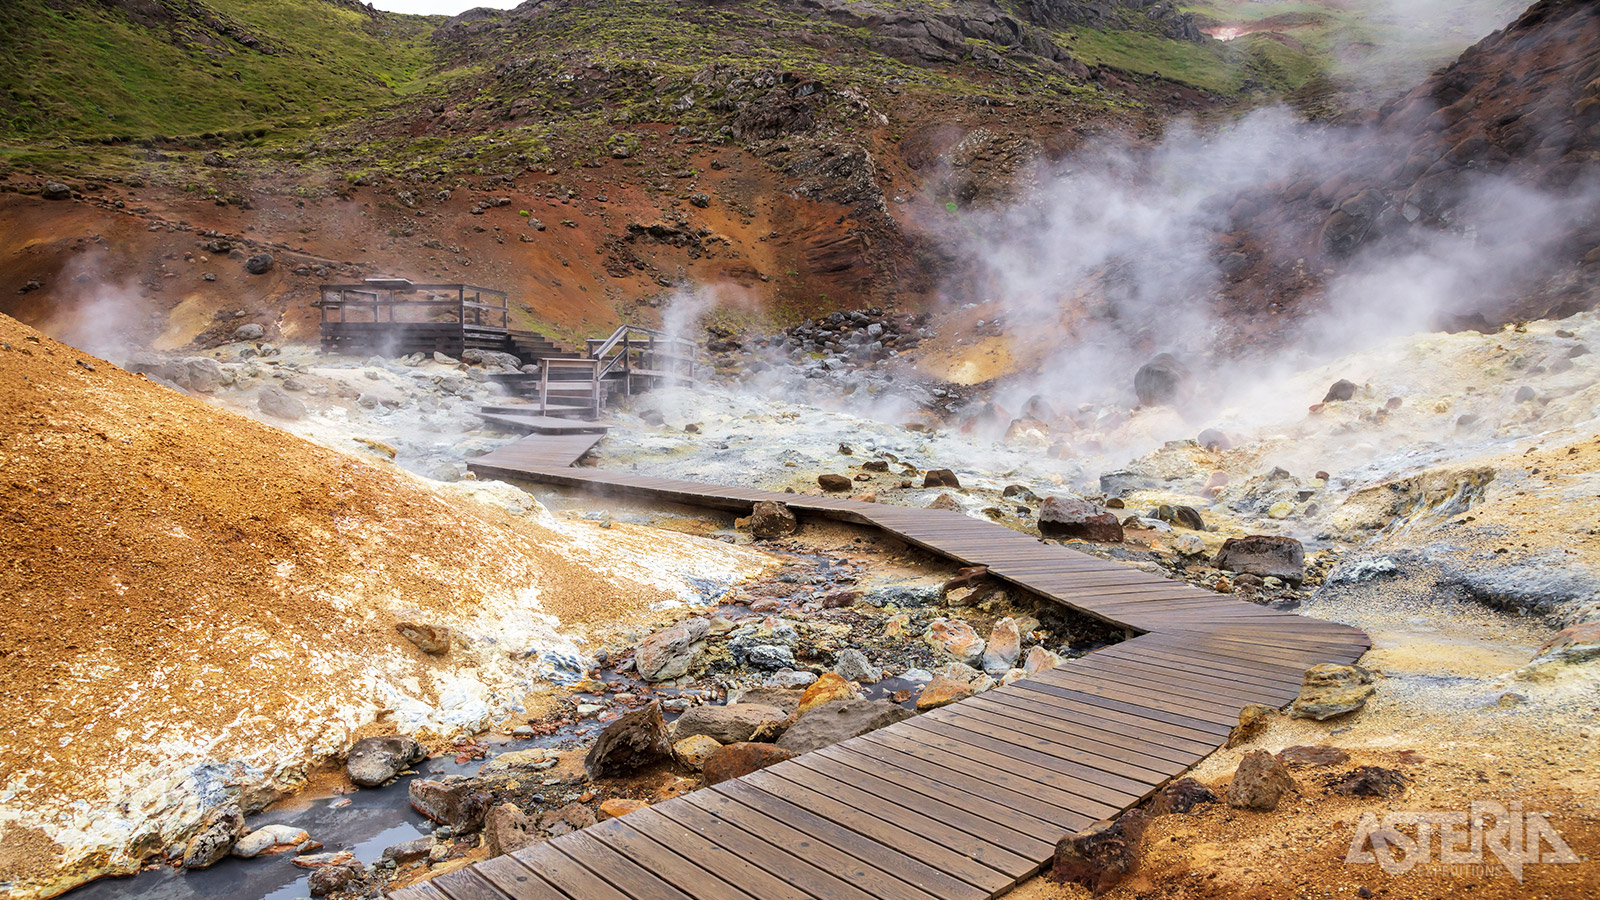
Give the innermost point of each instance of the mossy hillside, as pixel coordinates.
(80, 69)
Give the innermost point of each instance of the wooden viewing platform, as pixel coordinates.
(960, 803)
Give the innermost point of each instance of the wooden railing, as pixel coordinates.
(636, 350)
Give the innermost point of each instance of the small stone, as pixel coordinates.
(1180, 797)
(279, 405)
(1368, 781)
(1253, 720)
(334, 878)
(410, 851)
(637, 738)
(1212, 439)
(771, 519)
(1075, 518)
(1259, 782)
(1003, 648)
(945, 502)
(617, 807)
(852, 665)
(834, 482)
(945, 478)
(1341, 390)
(431, 639)
(694, 750)
(1040, 660)
(1306, 756)
(732, 724)
(258, 264)
(373, 761)
(507, 829)
(218, 831)
(942, 691)
(1329, 690)
(739, 759)
(1263, 555)
(450, 801)
(1099, 857)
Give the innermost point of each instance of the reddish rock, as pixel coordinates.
(1306, 757)
(636, 739)
(940, 478)
(617, 807)
(834, 482)
(1071, 517)
(1101, 856)
(738, 760)
(1259, 782)
(455, 803)
(1180, 797)
(1263, 555)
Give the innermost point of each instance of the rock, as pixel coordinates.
(852, 665)
(789, 678)
(945, 502)
(835, 482)
(254, 844)
(1303, 756)
(249, 332)
(1263, 555)
(1188, 545)
(617, 807)
(840, 600)
(1072, 517)
(826, 689)
(941, 478)
(1003, 649)
(732, 724)
(1368, 781)
(567, 819)
(452, 801)
(338, 877)
(670, 652)
(507, 829)
(1329, 690)
(956, 639)
(770, 657)
(1212, 439)
(943, 691)
(375, 760)
(1253, 720)
(1340, 391)
(55, 190)
(258, 264)
(203, 374)
(410, 851)
(1259, 782)
(1180, 797)
(434, 639)
(831, 723)
(694, 750)
(903, 595)
(534, 759)
(1040, 660)
(1100, 856)
(1184, 516)
(771, 519)
(1162, 381)
(279, 405)
(636, 739)
(740, 759)
(1570, 646)
(218, 831)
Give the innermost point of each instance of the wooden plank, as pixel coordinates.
(466, 884)
(986, 805)
(814, 862)
(681, 873)
(726, 865)
(516, 880)
(557, 869)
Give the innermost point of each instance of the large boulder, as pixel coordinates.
(739, 760)
(1162, 381)
(1076, 518)
(219, 830)
(771, 519)
(670, 652)
(250, 331)
(831, 723)
(1329, 690)
(1263, 555)
(732, 724)
(453, 801)
(636, 739)
(205, 375)
(1259, 782)
(375, 760)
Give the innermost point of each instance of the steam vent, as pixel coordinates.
(799, 449)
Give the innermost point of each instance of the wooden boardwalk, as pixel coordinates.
(960, 803)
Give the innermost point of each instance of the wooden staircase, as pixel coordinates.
(579, 385)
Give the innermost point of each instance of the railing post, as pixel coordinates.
(544, 387)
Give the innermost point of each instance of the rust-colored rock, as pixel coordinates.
(826, 689)
(617, 807)
(739, 760)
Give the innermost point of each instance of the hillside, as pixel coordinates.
(792, 156)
